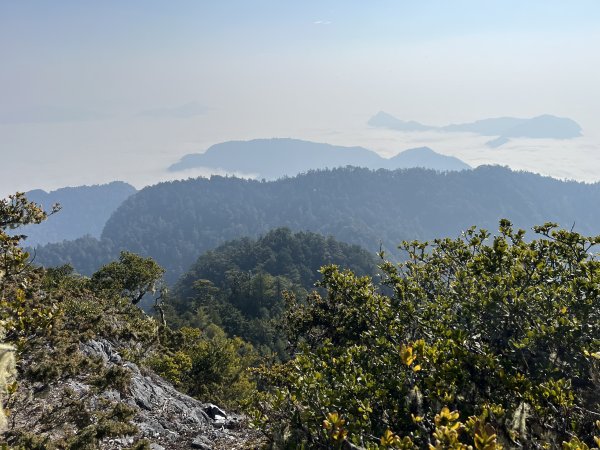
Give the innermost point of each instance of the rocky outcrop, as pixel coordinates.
(7, 371)
(165, 416)
(118, 404)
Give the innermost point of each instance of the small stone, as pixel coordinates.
(202, 443)
(233, 423)
(111, 395)
(214, 411)
(219, 422)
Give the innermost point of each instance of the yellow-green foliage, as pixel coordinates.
(7, 372)
(494, 327)
(174, 367)
(207, 365)
(131, 276)
(15, 286)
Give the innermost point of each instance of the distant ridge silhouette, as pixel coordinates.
(274, 158)
(544, 126)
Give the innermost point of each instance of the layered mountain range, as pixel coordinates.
(175, 222)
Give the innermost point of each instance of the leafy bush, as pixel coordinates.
(488, 335)
(207, 365)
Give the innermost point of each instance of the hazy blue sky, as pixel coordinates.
(92, 91)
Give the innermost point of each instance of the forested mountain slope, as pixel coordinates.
(280, 252)
(175, 222)
(85, 210)
(240, 285)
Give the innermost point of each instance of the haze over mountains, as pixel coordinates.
(85, 210)
(274, 158)
(175, 222)
(277, 268)
(544, 126)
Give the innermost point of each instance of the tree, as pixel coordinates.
(132, 276)
(16, 211)
(15, 276)
(472, 340)
(19, 281)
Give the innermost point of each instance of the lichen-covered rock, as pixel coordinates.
(165, 416)
(7, 371)
(149, 408)
(201, 443)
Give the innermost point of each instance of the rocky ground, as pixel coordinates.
(164, 417)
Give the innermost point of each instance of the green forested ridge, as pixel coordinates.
(177, 221)
(240, 285)
(86, 254)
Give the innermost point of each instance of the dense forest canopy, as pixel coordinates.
(176, 222)
(280, 252)
(241, 284)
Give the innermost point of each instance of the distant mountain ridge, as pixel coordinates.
(425, 158)
(274, 158)
(177, 221)
(85, 210)
(544, 126)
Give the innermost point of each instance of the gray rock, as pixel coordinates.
(133, 367)
(213, 411)
(219, 422)
(165, 416)
(141, 393)
(202, 443)
(112, 395)
(101, 348)
(122, 442)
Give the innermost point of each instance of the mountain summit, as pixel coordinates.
(274, 158)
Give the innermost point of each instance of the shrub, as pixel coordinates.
(503, 331)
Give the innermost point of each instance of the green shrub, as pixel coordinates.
(497, 328)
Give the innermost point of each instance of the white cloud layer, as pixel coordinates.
(270, 69)
(139, 150)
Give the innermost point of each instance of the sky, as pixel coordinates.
(92, 92)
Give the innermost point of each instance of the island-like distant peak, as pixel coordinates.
(278, 157)
(545, 126)
(427, 158)
(385, 120)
